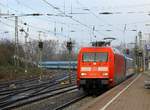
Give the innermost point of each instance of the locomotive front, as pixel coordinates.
(93, 70)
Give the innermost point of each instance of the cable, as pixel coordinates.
(56, 8)
(66, 24)
(35, 27)
(26, 6)
(96, 15)
(61, 22)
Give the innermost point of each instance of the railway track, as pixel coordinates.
(30, 91)
(45, 92)
(56, 101)
(70, 102)
(35, 87)
(29, 98)
(33, 83)
(83, 98)
(10, 85)
(60, 97)
(6, 84)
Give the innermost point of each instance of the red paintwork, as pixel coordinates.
(115, 64)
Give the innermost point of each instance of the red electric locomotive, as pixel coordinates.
(100, 67)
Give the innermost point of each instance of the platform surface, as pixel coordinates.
(130, 95)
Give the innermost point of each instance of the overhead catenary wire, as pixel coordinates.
(59, 22)
(56, 8)
(36, 28)
(47, 20)
(47, 31)
(48, 16)
(11, 26)
(88, 26)
(100, 19)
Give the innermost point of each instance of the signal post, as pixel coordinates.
(69, 47)
(40, 45)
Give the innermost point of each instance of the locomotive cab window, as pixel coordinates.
(95, 57)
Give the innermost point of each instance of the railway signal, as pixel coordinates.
(70, 46)
(127, 51)
(40, 45)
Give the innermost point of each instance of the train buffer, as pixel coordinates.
(129, 95)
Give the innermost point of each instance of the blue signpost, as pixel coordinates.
(147, 49)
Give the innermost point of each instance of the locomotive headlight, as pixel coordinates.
(105, 74)
(83, 74)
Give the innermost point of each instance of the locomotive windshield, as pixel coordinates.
(95, 57)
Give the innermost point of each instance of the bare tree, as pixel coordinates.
(64, 53)
(50, 48)
(7, 50)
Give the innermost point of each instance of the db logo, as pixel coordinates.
(94, 69)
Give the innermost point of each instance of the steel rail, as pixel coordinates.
(34, 97)
(70, 102)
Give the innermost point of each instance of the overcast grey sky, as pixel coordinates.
(85, 15)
